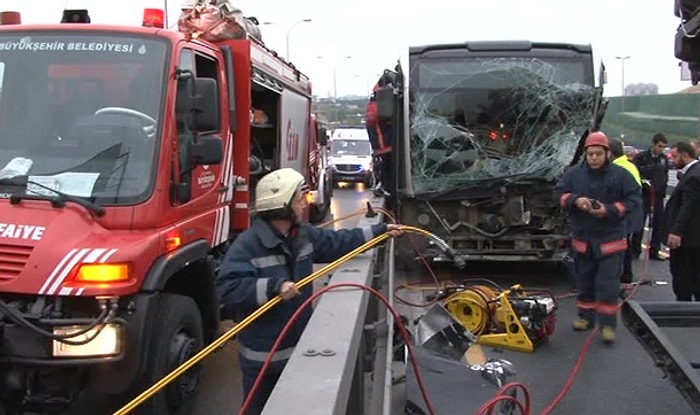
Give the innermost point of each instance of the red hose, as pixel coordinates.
(307, 303)
(502, 395)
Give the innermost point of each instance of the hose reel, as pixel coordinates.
(512, 319)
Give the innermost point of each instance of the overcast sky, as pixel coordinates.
(374, 33)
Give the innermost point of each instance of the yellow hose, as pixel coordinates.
(257, 313)
(358, 213)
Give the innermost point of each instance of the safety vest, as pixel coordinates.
(626, 164)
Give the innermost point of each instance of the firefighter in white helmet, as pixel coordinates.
(265, 261)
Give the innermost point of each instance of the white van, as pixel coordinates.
(351, 156)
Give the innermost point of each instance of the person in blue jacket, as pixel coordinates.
(266, 261)
(598, 196)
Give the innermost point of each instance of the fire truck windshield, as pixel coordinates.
(81, 113)
(491, 118)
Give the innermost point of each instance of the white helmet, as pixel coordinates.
(276, 189)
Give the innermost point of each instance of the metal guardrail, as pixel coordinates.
(326, 374)
(645, 320)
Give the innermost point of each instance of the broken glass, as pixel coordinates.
(479, 121)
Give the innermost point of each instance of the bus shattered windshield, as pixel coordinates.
(476, 121)
(80, 113)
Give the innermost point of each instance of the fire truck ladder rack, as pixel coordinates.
(268, 60)
(645, 320)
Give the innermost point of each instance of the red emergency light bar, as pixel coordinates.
(154, 18)
(7, 18)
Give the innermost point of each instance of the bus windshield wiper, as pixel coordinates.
(59, 200)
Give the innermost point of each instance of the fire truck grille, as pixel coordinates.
(349, 167)
(13, 258)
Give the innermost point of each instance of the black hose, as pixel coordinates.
(101, 321)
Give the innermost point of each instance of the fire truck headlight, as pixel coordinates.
(103, 343)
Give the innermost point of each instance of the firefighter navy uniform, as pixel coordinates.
(258, 264)
(598, 243)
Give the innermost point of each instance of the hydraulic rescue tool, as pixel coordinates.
(514, 319)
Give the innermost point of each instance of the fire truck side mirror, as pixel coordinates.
(206, 105)
(207, 150)
(385, 103)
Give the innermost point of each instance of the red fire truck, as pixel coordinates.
(128, 160)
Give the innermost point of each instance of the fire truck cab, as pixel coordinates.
(128, 162)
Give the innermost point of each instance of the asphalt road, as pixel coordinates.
(221, 380)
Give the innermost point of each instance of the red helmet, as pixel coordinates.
(597, 138)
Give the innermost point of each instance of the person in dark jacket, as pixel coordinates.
(266, 261)
(653, 165)
(681, 225)
(598, 196)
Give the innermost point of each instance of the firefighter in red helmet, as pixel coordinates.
(598, 196)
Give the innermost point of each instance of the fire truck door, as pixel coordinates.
(202, 181)
(294, 131)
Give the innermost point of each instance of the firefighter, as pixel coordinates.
(598, 195)
(380, 139)
(265, 261)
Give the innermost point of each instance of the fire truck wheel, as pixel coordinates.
(177, 336)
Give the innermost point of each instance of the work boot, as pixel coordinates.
(608, 335)
(582, 325)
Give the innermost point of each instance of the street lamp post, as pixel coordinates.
(622, 62)
(287, 31)
(335, 80)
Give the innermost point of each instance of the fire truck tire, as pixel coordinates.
(177, 336)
